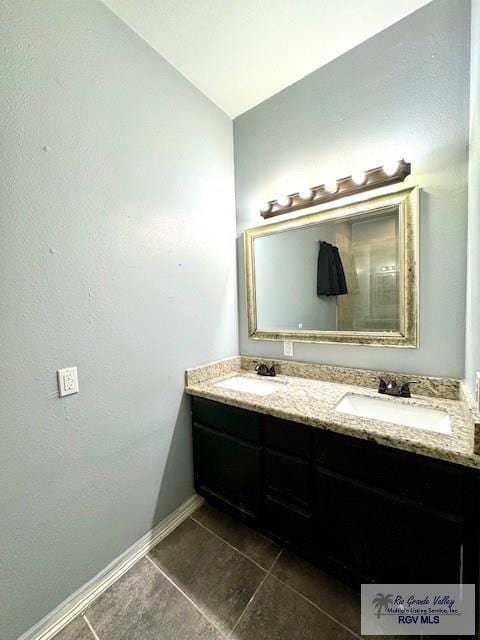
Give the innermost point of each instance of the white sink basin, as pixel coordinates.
(383, 409)
(257, 386)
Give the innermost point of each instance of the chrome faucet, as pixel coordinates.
(392, 388)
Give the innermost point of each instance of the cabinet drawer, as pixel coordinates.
(289, 437)
(289, 524)
(288, 476)
(232, 420)
(419, 478)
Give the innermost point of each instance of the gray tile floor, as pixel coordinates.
(214, 578)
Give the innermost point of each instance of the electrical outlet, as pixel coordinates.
(288, 349)
(67, 381)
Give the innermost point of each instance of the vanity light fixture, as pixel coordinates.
(359, 177)
(285, 201)
(390, 167)
(306, 194)
(331, 186)
(390, 173)
(266, 207)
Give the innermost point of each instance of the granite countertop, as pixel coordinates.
(312, 402)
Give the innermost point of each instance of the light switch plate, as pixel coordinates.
(67, 381)
(288, 349)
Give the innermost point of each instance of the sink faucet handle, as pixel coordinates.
(405, 390)
(382, 386)
(392, 388)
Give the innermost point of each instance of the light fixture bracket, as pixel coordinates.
(346, 187)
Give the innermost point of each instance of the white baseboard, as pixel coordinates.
(79, 601)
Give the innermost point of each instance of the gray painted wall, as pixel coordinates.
(406, 91)
(286, 281)
(114, 257)
(472, 347)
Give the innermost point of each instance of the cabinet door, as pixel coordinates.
(289, 437)
(288, 476)
(433, 483)
(228, 469)
(380, 537)
(289, 524)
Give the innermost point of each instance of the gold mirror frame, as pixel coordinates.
(407, 201)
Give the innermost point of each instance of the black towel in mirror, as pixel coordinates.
(330, 274)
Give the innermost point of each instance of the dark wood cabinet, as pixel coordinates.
(228, 469)
(289, 524)
(378, 536)
(366, 512)
(289, 477)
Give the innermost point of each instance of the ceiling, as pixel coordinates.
(241, 52)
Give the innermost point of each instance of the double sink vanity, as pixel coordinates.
(420, 416)
(369, 487)
(343, 466)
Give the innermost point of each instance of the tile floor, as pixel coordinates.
(213, 578)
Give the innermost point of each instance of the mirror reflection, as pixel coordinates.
(336, 275)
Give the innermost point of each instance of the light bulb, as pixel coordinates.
(265, 207)
(390, 167)
(331, 186)
(359, 177)
(306, 194)
(284, 201)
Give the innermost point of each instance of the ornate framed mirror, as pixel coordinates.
(346, 274)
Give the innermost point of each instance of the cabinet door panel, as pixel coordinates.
(383, 538)
(430, 482)
(288, 476)
(290, 437)
(289, 524)
(228, 468)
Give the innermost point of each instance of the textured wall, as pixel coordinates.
(472, 347)
(114, 257)
(403, 92)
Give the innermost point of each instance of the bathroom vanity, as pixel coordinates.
(376, 506)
